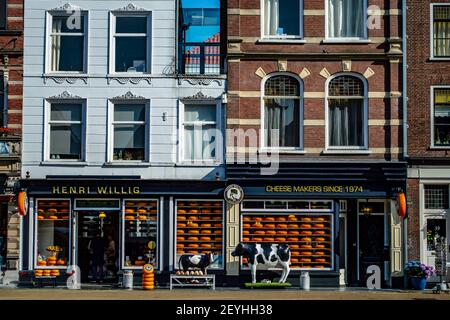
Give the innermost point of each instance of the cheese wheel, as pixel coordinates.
(269, 225)
(320, 260)
(294, 246)
(180, 238)
(217, 204)
(295, 253)
(245, 232)
(206, 211)
(294, 260)
(192, 218)
(153, 211)
(294, 233)
(53, 217)
(206, 245)
(181, 211)
(320, 246)
(259, 232)
(180, 231)
(292, 239)
(193, 245)
(306, 233)
(206, 232)
(282, 232)
(320, 239)
(269, 219)
(257, 239)
(217, 225)
(320, 253)
(205, 238)
(142, 211)
(180, 246)
(305, 260)
(217, 211)
(305, 219)
(306, 253)
(181, 218)
(257, 219)
(246, 219)
(193, 252)
(206, 225)
(293, 226)
(282, 225)
(306, 239)
(129, 217)
(319, 225)
(40, 210)
(281, 219)
(193, 238)
(269, 239)
(292, 219)
(305, 225)
(320, 232)
(64, 210)
(205, 218)
(180, 251)
(52, 210)
(194, 225)
(257, 225)
(194, 231)
(218, 232)
(207, 204)
(219, 239)
(182, 204)
(280, 239)
(129, 210)
(142, 218)
(40, 218)
(271, 232)
(181, 225)
(246, 225)
(306, 246)
(246, 239)
(319, 267)
(319, 219)
(193, 211)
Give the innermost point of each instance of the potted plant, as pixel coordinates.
(418, 274)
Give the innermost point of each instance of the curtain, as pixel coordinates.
(271, 17)
(346, 18)
(282, 122)
(442, 39)
(346, 122)
(199, 142)
(56, 44)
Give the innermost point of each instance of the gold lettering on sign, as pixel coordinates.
(314, 189)
(103, 190)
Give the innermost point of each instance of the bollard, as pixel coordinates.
(304, 281)
(128, 279)
(148, 277)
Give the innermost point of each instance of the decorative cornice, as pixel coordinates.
(129, 96)
(199, 81)
(68, 7)
(65, 95)
(198, 96)
(127, 80)
(131, 7)
(66, 79)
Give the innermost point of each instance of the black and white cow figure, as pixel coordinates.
(199, 261)
(270, 255)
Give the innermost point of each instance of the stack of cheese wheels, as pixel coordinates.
(148, 277)
(38, 273)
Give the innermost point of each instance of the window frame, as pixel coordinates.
(110, 140)
(219, 148)
(48, 123)
(4, 15)
(432, 57)
(432, 89)
(365, 146)
(112, 41)
(262, 143)
(330, 39)
(48, 45)
(301, 19)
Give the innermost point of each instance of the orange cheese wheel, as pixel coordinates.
(193, 225)
(193, 211)
(294, 233)
(194, 231)
(320, 253)
(205, 218)
(320, 239)
(319, 219)
(257, 239)
(193, 238)
(142, 211)
(306, 253)
(292, 219)
(219, 239)
(245, 232)
(180, 231)
(246, 239)
(319, 225)
(319, 267)
(192, 218)
(53, 217)
(205, 245)
(269, 225)
(306, 239)
(257, 219)
(246, 219)
(294, 260)
(181, 218)
(306, 246)
(281, 219)
(40, 218)
(52, 210)
(218, 232)
(129, 217)
(320, 246)
(217, 225)
(305, 260)
(295, 253)
(305, 225)
(320, 260)
(305, 219)
(269, 219)
(205, 232)
(306, 233)
(181, 238)
(193, 252)
(205, 238)
(259, 232)
(282, 225)
(40, 211)
(320, 232)
(294, 246)
(269, 239)
(192, 245)
(181, 225)
(206, 225)
(293, 226)
(246, 225)
(181, 211)
(257, 225)
(129, 210)
(206, 211)
(280, 239)
(181, 246)
(281, 232)
(292, 239)
(271, 232)
(180, 251)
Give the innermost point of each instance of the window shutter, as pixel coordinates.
(3, 5)
(396, 241)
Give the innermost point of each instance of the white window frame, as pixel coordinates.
(365, 114)
(282, 37)
(329, 39)
(48, 45)
(112, 40)
(262, 145)
(111, 123)
(47, 124)
(219, 144)
(432, 57)
(432, 88)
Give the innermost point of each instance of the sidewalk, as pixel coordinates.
(218, 294)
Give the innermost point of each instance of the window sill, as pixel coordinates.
(127, 164)
(439, 58)
(439, 148)
(346, 152)
(198, 164)
(64, 163)
(282, 40)
(346, 41)
(282, 151)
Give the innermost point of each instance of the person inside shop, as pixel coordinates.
(97, 248)
(111, 257)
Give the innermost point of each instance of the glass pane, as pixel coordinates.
(129, 112)
(282, 86)
(65, 141)
(253, 204)
(129, 142)
(298, 205)
(67, 53)
(200, 142)
(321, 205)
(442, 135)
(66, 112)
(371, 207)
(346, 86)
(442, 117)
(346, 122)
(436, 197)
(436, 229)
(289, 17)
(112, 204)
(282, 122)
(68, 24)
(131, 24)
(200, 113)
(441, 38)
(276, 204)
(131, 53)
(346, 18)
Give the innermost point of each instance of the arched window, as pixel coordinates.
(282, 112)
(347, 112)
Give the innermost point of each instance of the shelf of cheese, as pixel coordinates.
(141, 218)
(309, 237)
(199, 227)
(53, 210)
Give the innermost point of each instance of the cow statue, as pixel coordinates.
(199, 261)
(270, 255)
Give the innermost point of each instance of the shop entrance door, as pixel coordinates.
(97, 245)
(371, 245)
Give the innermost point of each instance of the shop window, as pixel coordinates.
(52, 233)
(66, 131)
(67, 48)
(347, 124)
(253, 204)
(141, 233)
(436, 197)
(298, 205)
(200, 229)
(283, 18)
(282, 112)
(200, 125)
(441, 117)
(346, 19)
(3, 14)
(441, 31)
(436, 230)
(130, 138)
(370, 207)
(131, 44)
(310, 236)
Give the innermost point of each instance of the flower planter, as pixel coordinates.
(418, 283)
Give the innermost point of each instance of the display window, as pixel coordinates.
(52, 233)
(140, 233)
(200, 229)
(309, 234)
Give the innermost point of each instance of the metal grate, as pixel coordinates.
(441, 13)
(346, 86)
(436, 197)
(282, 86)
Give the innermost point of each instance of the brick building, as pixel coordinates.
(318, 83)
(11, 69)
(428, 57)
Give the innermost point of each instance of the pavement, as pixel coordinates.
(218, 294)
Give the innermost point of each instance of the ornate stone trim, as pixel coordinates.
(66, 79)
(131, 7)
(131, 80)
(68, 7)
(65, 95)
(198, 96)
(129, 96)
(200, 81)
